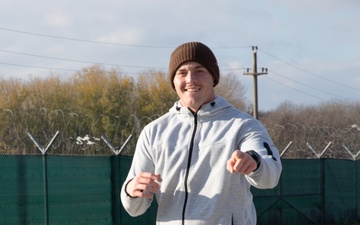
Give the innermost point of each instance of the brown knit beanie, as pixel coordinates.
(194, 51)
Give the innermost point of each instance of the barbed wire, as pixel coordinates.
(79, 134)
(304, 141)
(85, 134)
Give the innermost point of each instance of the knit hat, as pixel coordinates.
(194, 51)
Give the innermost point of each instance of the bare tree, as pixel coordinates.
(233, 90)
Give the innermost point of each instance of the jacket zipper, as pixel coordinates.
(188, 168)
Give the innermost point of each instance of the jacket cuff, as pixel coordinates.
(127, 194)
(256, 157)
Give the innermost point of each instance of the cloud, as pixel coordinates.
(61, 20)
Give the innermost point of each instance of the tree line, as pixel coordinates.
(96, 104)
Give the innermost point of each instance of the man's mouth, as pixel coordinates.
(192, 89)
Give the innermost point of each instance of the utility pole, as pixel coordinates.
(254, 73)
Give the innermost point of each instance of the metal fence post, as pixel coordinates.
(44, 157)
(115, 179)
(322, 186)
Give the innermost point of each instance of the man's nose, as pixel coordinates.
(191, 77)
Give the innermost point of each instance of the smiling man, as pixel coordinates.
(194, 85)
(201, 157)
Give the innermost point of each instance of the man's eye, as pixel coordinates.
(181, 73)
(199, 71)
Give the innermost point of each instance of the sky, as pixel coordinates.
(310, 48)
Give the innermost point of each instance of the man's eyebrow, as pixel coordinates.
(181, 69)
(195, 67)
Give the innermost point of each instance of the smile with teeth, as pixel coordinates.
(193, 89)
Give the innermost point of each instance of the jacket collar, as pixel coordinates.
(206, 111)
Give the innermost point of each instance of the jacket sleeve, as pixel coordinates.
(142, 162)
(134, 206)
(255, 137)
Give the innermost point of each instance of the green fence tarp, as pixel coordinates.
(47, 189)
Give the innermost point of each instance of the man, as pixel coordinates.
(201, 157)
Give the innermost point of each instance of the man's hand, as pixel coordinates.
(241, 162)
(144, 185)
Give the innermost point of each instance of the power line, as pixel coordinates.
(109, 43)
(73, 60)
(146, 46)
(231, 47)
(295, 89)
(79, 61)
(255, 74)
(301, 69)
(309, 86)
(81, 40)
(39, 67)
(51, 68)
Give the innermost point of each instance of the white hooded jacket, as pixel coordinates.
(190, 152)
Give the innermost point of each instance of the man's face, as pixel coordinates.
(194, 85)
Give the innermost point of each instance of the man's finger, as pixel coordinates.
(231, 162)
(230, 165)
(156, 177)
(236, 155)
